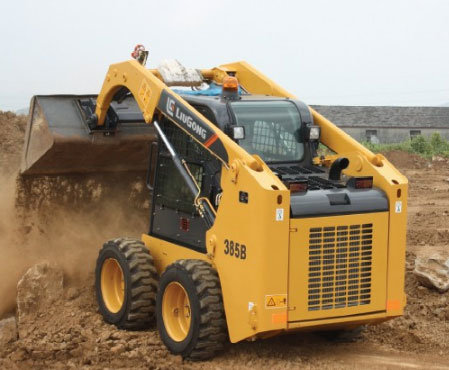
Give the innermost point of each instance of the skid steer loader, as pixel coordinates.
(252, 233)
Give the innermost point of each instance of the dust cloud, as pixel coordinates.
(61, 219)
(12, 260)
(67, 227)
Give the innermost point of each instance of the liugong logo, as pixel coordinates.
(187, 120)
(170, 106)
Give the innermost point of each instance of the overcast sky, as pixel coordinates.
(346, 52)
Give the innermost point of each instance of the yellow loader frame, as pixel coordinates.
(249, 284)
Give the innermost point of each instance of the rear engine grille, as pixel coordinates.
(312, 174)
(296, 170)
(316, 183)
(340, 259)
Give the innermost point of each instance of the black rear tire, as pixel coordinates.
(137, 310)
(207, 333)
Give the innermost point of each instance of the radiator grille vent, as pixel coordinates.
(340, 259)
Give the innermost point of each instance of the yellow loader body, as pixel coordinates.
(278, 272)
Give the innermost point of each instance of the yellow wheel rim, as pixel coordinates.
(176, 312)
(112, 285)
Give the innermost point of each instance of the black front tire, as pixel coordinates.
(140, 283)
(208, 331)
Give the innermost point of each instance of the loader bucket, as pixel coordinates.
(58, 141)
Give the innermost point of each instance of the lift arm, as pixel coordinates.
(154, 97)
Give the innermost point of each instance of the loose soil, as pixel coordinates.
(72, 334)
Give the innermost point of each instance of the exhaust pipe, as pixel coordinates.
(339, 165)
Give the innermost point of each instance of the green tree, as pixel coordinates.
(439, 145)
(420, 145)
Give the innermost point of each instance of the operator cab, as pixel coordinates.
(281, 132)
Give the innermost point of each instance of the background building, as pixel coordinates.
(387, 124)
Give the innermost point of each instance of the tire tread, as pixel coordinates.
(213, 334)
(140, 312)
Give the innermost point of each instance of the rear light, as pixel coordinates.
(298, 186)
(363, 182)
(184, 224)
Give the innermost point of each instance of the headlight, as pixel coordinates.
(238, 132)
(314, 133)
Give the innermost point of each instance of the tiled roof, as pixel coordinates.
(363, 116)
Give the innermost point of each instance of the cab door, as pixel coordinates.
(174, 217)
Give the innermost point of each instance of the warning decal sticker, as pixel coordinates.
(279, 214)
(276, 301)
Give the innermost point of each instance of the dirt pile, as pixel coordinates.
(8, 331)
(12, 132)
(61, 325)
(40, 288)
(404, 160)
